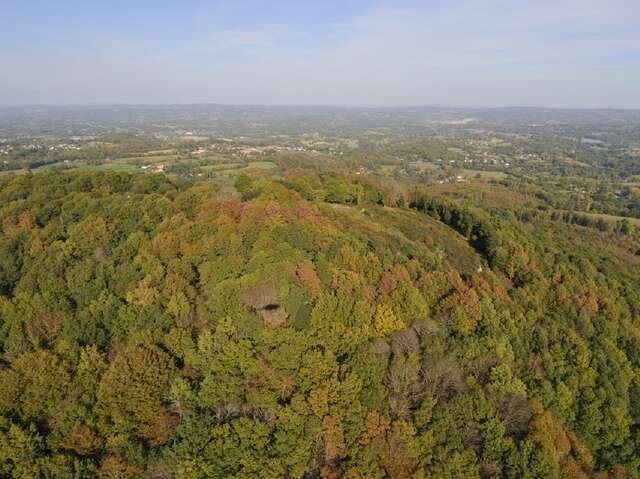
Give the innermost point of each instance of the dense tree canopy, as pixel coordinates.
(312, 326)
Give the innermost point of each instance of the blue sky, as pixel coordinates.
(564, 53)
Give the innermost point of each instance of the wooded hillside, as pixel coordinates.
(317, 326)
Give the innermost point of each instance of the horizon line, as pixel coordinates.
(312, 105)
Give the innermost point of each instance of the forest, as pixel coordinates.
(315, 325)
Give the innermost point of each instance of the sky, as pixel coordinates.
(552, 53)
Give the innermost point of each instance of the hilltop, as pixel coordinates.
(317, 325)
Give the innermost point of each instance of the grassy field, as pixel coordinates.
(431, 233)
(229, 167)
(609, 218)
(467, 173)
(16, 172)
(262, 165)
(155, 158)
(121, 167)
(485, 195)
(83, 166)
(223, 167)
(485, 175)
(387, 169)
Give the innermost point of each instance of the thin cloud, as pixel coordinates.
(246, 38)
(494, 52)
